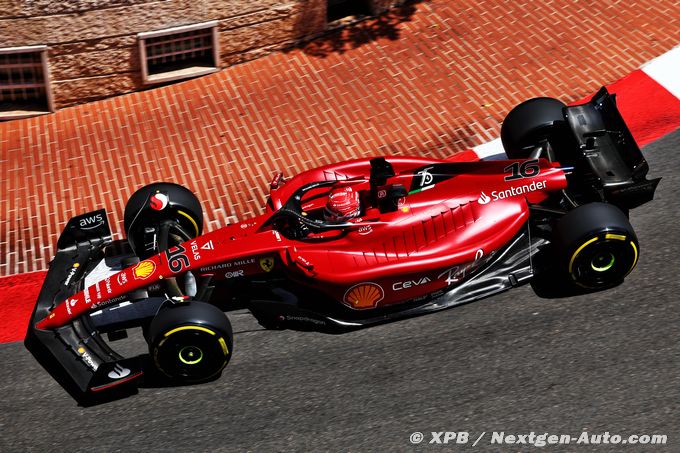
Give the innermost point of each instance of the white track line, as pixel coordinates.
(492, 150)
(665, 70)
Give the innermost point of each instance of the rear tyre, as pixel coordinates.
(596, 245)
(529, 123)
(190, 343)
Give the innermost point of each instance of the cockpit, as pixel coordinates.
(318, 208)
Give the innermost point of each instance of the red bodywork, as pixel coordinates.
(445, 228)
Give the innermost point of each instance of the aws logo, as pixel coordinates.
(91, 222)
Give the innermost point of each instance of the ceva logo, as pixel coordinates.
(483, 199)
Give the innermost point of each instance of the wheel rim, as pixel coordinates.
(191, 353)
(602, 262)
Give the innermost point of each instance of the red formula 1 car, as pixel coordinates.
(343, 247)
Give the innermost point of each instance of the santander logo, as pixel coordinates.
(483, 199)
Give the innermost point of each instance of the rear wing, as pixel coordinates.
(75, 354)
(610, 151)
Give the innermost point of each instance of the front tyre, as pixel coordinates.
(191, 342)
(596, 245)
(161, 215)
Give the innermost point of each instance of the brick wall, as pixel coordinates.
(93, 47)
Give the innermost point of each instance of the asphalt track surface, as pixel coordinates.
(515, 363)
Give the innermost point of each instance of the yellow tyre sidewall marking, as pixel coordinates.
(223, 343)
(578, 250)
(618, 237)
(635, 259)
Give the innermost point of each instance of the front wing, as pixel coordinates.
(76, 355)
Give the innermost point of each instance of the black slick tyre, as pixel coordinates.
(190, 342)
(157, 204)
(596, 245)
(528, 124)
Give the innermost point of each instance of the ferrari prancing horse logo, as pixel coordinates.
(267, 263)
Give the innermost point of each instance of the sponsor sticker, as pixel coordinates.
(296, 318)
(158, 201)
(364, 295)
(194, 250)
(234, 274)
(365, 230)
(70, 303)
(237, 263)
(511, 192)
(71, 273)
(398, 286)
(143, 270)
(91, 222)
(267, 263)
(87, 358)
(426, 177)
(121, 278)
(118, 372)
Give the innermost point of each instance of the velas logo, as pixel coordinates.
(483, 199)
(143, 270)
(158, 201)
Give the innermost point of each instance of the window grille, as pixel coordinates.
(179, 53)
(24, 82)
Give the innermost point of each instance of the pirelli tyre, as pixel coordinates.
(158, 205)
(529, 123)
(596, 245)
(190, 342)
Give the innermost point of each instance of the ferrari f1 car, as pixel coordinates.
(428, 235)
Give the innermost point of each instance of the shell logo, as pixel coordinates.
(143, 270)
(364, 295)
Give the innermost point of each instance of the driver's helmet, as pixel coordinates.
(343, 204)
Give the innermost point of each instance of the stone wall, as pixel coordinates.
(93, 48)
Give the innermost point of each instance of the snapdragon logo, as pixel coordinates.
(511, 192)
